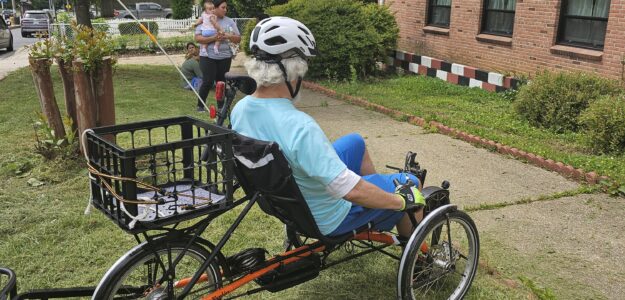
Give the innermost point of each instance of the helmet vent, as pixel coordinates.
(265, 21)
(303, 41)
(276, 40)
(303, 29)
(255, 34)
(272, 28)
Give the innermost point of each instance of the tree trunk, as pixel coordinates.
(103, 92)
(45, 89)
(107, 8)
(83, 16)
(68, 90)
(86, 107)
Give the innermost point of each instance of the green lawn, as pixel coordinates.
(49, 242)
(480, 113)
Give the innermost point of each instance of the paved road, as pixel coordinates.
(11, 61)
(18, 42)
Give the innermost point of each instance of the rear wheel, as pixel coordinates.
(138, 274)
(441, 260)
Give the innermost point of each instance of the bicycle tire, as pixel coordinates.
(116, 281)
(426, 275)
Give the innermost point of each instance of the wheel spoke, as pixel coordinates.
(140, 278)
(450, 265)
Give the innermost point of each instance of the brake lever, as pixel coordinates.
(394, 168)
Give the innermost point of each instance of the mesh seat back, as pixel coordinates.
(262, 167)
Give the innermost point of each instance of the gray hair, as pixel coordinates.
(267, 74)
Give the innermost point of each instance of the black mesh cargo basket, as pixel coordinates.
(150, 174)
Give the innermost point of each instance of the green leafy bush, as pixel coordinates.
(133, 28)
(245, 36)
(251, 8)
(351, 36)
(604, 124)
(182, 9)
(91, 46)
(555, 100)
(64, 17)
(100, 24)
(140, 43)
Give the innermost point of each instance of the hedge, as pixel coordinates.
(351, 36)
(604, 124)
(555, 100)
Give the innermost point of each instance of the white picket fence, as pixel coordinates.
(166, 27)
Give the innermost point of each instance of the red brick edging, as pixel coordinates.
(537, 160)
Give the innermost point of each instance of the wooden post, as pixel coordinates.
(68, 89)
(104, 95)
(45, 89)
(85, 103)
(103, 91)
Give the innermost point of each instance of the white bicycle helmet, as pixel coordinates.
(282, 37)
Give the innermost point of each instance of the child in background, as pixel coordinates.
(209, 26)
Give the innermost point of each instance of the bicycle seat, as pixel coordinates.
(243, 83)
(262, 168)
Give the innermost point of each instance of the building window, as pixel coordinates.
(498, 17)
(583, 23)
(439, 12)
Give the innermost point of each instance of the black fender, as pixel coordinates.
(435, 197)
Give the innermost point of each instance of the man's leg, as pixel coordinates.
(385, 182)
(352, 150)
(367, 167)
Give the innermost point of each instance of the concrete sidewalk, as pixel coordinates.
(13, 61)
(569, 245)
(572, 245)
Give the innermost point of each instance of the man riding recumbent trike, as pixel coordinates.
(327, 195)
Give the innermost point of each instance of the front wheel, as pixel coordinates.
(139, 274)
(440, 261)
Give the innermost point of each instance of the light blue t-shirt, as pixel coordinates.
(311, 155)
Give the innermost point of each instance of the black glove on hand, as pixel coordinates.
(411, 196)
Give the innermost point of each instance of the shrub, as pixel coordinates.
(555, 100)
(604, 124)
(91, 46)
(355, 34)
(133, 28)
(251, 8)
(64, 17)
(245, 36)
(100, 24)
(182, 9)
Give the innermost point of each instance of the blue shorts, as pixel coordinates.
(351, 150)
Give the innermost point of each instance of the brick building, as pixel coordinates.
(510, 37)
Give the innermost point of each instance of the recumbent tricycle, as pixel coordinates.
(165, 181)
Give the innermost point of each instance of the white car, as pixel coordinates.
(6, 38)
